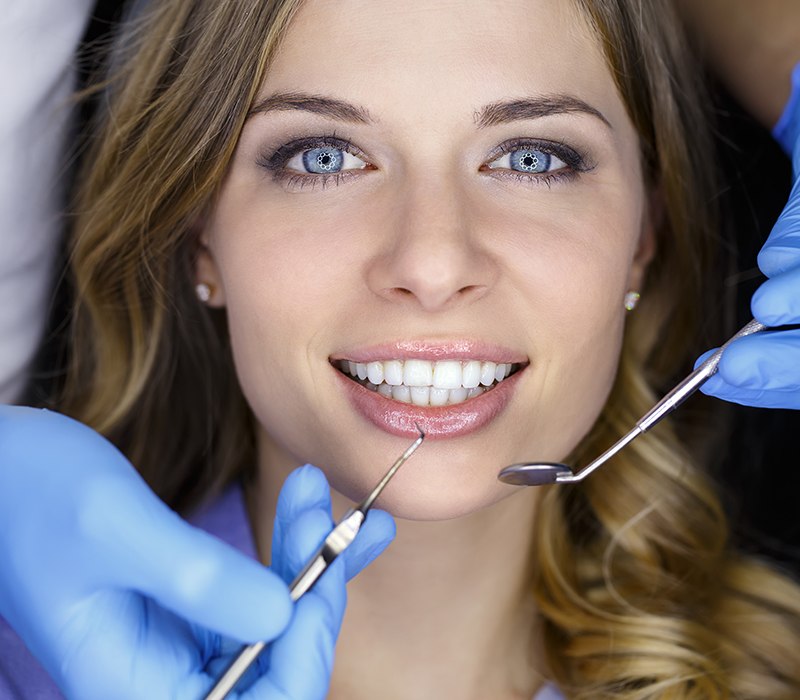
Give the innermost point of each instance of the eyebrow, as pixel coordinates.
(326, 106)
(534, 108)
(492, 114)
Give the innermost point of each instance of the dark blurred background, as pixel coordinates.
(760, 473)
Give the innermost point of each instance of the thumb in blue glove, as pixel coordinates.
(764, 369)
(119, 597)
(298, 665)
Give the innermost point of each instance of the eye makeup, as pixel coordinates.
(275, 161)
(571, 163)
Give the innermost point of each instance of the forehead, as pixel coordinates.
(448, 55)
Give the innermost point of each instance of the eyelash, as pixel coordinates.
(275, 162)
(575, 162)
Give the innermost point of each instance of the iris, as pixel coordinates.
(530, 161)
(323, 160)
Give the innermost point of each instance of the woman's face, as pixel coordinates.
(435, 194)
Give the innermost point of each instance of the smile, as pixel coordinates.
(426, 382)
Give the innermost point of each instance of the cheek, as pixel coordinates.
(286, 286)
(571, 273)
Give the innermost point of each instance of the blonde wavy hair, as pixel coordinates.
(640, 591)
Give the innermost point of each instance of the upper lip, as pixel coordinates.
(460, 349)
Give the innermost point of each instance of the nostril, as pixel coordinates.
(472, 290)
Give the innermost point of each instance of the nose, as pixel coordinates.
(431, 257)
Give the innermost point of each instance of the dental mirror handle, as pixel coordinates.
(667, 405)
(693, 382)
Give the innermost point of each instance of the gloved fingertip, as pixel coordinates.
(773, 259)
(768, 307)
(700, 360)
(304, 489)
(715, 387)
(377, 533)
(300, 539)
(379, 529)
(741, 365)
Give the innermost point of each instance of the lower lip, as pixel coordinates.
(439, 422)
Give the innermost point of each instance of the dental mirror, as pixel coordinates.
(542, 473)
(534, 474)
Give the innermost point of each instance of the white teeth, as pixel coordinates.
(472, 374)
(401, 393)
(458, 395)
(420, 395)
(393, 372)
(447, 374)
(417, 373)
(487, 373)
(425, 382)
(375, 372)
(439, 397)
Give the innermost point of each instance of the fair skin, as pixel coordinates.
(430, 248)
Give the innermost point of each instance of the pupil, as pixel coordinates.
(322, 160)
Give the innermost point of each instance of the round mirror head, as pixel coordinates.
(537, 474)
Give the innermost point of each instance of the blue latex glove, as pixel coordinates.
(120, 598)
(764, 369)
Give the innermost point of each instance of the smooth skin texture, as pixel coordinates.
(423, 240)
(426, 243)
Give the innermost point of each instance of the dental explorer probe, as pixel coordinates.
(335, 543)
(540, 473)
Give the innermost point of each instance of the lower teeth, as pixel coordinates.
(424, 395)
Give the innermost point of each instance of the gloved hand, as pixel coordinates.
(119, 597)
(764, 369)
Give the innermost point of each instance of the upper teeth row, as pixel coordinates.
(444, 374)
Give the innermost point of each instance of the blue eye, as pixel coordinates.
(528, 160)
(323, 160)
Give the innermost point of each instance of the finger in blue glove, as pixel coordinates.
(99, 577)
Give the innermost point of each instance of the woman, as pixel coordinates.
(487, 196)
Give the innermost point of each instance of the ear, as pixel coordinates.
(646, 247)
(207, 272)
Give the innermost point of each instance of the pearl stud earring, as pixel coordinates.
(203, 291)
(631, 300)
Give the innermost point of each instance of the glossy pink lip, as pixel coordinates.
(432, 350)
(438, 422)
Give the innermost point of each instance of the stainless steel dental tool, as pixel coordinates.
(335, 543)
(540, 473)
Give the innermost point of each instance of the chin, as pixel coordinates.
(429, 487)
(440, 506)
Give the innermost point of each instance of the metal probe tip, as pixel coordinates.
(366, 504)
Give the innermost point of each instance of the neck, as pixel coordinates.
(448, 603)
